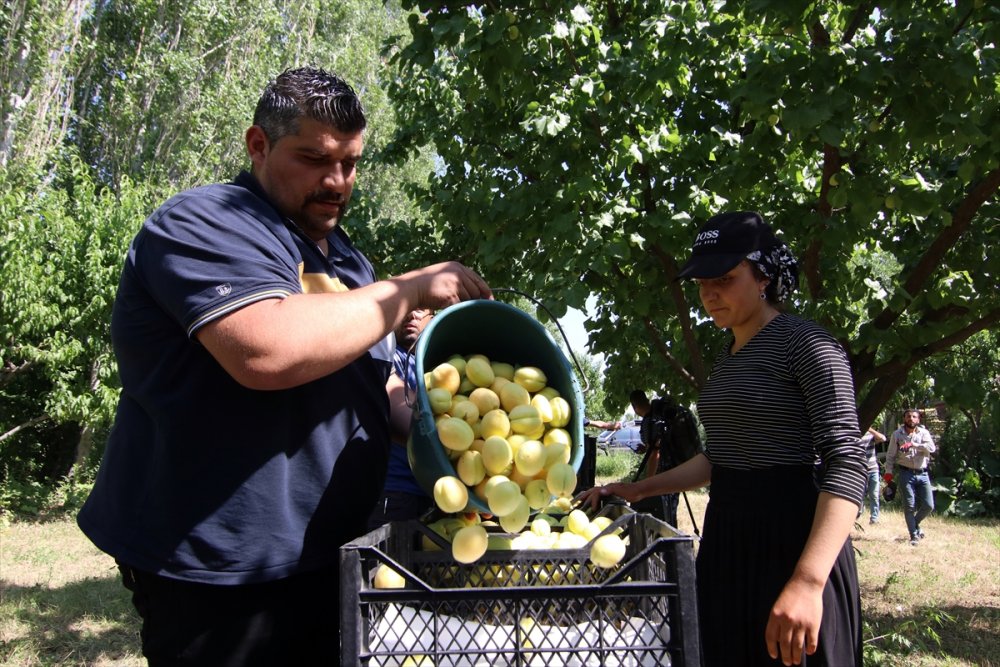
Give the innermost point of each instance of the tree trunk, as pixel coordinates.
(86, 442)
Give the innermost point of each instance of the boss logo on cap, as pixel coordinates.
(706, 237)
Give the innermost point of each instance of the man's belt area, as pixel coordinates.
(924, 469)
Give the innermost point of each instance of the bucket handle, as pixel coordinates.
(410, 357)
(569, 348)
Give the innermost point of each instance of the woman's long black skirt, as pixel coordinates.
(756, 526)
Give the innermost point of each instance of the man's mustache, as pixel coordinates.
(325, 197)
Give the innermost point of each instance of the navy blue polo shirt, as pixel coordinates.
(203, 479)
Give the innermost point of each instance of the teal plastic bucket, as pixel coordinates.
(503, 333)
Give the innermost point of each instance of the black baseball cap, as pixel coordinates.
(725, 241)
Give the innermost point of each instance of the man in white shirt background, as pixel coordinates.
(909, 457)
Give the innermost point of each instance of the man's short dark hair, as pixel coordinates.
(311, 92)
(638, 398)
(909, 410)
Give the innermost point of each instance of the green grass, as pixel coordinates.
(616, 465)
(61, 602)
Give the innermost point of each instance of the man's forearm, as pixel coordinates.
(282, 343)
(277, 344)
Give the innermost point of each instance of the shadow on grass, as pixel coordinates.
(970, 634)
(81, 623)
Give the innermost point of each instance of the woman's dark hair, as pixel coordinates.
(310, 92)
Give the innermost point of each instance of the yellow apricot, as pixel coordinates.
(494, 423)
(467, 411)
(561, 412)
(450, 494)
(485, 399)
(440, 400)
(530, 458)
(503, 498)
(516, 519)
(503, 370)
(512, 394)
(560, 435)
(447, 377)
(455, 433)
(497, 455)
(524, 419)
(386, 577)
(541, 403)
(537, 494)
(561, 480)
(470, 468)
(531, 378)
(480, 373)
(469, 544)
(607, 551)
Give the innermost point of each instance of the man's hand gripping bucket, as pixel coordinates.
(502, 333)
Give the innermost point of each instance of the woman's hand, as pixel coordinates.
(793, 626)
(794, 622)
(593, 496)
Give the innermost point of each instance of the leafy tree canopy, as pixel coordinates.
(582, 143)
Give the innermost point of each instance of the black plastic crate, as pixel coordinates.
(529, 607)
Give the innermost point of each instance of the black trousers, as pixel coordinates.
(292, 621)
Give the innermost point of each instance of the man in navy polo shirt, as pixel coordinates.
(252, 433)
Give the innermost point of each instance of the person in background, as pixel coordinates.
(252, 432)
(642, 408)
(604, 426)
(402, 497)
(870, 441)
(909, 459)
(654, 432)
(776, 577)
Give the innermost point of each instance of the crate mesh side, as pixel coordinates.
(616, 632)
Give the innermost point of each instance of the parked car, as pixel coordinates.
(627, 437)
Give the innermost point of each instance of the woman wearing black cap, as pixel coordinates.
(777, 582)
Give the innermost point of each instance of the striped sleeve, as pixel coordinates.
(820, 365)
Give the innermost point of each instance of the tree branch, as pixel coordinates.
(961, 220)
(10, 371)
(28, 424)
(889, 376)
(698, 375)
(920, 353)
(657, 339)
(860, 14)
(819, 35)
(810, 258)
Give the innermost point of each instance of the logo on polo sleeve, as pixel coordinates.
(224, 289)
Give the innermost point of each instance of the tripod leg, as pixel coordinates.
(691, 514)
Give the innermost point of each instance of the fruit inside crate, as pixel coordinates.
(531, 607)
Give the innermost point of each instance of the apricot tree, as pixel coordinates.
(582, 143)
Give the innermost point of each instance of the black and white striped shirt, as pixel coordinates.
(786, 398)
